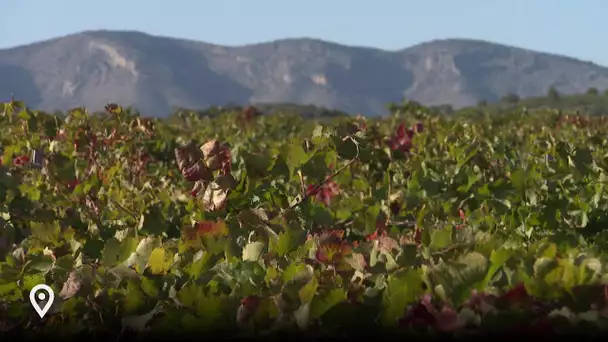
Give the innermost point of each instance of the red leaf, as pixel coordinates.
(448, 320)
(251, 303)
(462, 216)
(421, 313)
(312, 190)
(400, 131)
(332, 253)
(211, 227)
(72, 184)
(21, 160)
(516, 295)
(410, 134)
(372, 236)
(332, 248)
(325, 193)
(480, 302)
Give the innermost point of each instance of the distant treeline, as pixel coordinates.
(306, 111)
(592, 102)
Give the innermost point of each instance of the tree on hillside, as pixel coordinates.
(510, 98)
(592, 91)
(553, 94)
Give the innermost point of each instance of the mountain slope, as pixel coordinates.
(155, 73)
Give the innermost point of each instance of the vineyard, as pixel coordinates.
(243, 224)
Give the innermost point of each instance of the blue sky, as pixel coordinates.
(574, 28)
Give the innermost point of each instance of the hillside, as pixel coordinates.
(155, 74)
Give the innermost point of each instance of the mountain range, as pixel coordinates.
(155, 74)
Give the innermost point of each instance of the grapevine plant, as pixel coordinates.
(247, 224)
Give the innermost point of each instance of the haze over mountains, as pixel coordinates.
(155, 73)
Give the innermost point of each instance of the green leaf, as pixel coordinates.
(10, 292)
(295, 276)
(135, 299)
(116, 252)
(159, 261)
(24, 115)
(253, 251)
(189, 294)
(257, 165)
(402, 289)
(139, 258)
(288, 241)
(518, 179)
(544, 266)
(319, 137)
(441, 238)
(47, 232)
(152, 222)
(150, 287)
(138, 323)
(325, 301)
(209, 309)
(498, 258)
(200, 265)
(295, 155)
(347, 148)
(40, 263)
(31, 280)
(459, 277)
(307, 292)
(316, 168)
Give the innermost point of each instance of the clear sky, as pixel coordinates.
(576, 28)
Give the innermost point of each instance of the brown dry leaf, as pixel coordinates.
(211, 148)
(198, 187)
(357, 261)
(214, 197)
(216, 154)
(71, 286)
(388, 244)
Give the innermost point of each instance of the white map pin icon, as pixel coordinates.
(37, 293)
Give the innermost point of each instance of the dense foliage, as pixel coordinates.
(241, 224)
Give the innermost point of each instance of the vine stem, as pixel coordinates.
(307, 194)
